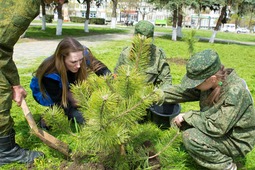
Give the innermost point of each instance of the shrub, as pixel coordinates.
(77, 19)
(49, 18)
(97, 21)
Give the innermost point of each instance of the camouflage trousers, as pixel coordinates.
(15, 17)
(6, 122)
(212, 153)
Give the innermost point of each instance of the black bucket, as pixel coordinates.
(162, 115)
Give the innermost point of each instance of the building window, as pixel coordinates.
(83, 14)
(92, 15)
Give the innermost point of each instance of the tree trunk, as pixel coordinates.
(213, 36)
(199, 17)
(114, 14)
(86, 24)
(174, 35)
(122, 150)
(143, 16)
(217, 27)
(43, 15)
(60, 20)
(250, 20)
(179, 22)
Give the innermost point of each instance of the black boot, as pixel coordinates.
(12, 152)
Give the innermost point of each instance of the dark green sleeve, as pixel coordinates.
(164, 71)
(123, 57)
(15, 18)
(176, 94)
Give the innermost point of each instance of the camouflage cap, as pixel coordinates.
(201, 66)
(145, 28)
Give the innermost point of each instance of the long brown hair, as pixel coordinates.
(56, 64)
(95, 64)
(216, 93)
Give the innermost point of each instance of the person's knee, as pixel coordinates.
(188, 137)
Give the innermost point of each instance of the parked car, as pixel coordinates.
(228, 28)
(129, 22)
(242, 30)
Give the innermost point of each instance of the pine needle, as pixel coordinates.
(140, 52)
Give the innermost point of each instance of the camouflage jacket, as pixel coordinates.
(15, 19)
(157, 73)
(232, 117)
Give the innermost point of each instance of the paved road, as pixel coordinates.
(26, 53)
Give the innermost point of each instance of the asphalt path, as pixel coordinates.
(26, 53)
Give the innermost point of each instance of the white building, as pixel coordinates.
(145, 11)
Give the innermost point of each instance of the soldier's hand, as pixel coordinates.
(179, 119)
(18, 94)
(159, 96)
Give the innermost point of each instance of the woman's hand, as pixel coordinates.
(179, 119)
(18, 94)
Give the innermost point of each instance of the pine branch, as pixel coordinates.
(127, 80)
(140, 52)
(109, 84)
(132, 108)
(102, 110)
(169, 143)
(191, 40)
(55, 118)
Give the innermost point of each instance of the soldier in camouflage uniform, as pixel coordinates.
(159, 71)
(15, 17)
(224, 128)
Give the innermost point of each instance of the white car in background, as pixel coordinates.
(242, 30)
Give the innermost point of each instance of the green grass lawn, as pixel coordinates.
(208, 33)
(35, 32)
(239, 57)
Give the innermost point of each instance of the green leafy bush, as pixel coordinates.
(97, 21)
(77, 19)
(49, 18)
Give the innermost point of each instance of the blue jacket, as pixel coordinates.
(37, 94)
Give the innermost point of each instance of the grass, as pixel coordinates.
(208, 33)
(35, 32)
(239, 57)
(78, 31)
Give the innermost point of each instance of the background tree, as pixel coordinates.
(58, 7)
(114, 13)
(245, 8)
(251, 9)
(43, 15)
(171, 6)
(222, 18)
(86, 24)
(60, 19)
(182, 4)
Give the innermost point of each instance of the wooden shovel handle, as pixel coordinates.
(28, 116)
(48, 139)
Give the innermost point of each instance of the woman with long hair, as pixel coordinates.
(70, 63)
